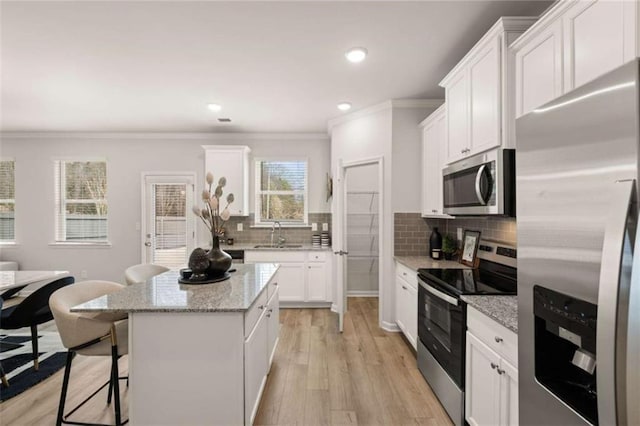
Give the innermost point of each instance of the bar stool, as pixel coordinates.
(101, 334)
(142, 272)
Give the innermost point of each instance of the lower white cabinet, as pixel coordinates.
(259, 349)
(491, 384)
(407, 303)
(302, 277)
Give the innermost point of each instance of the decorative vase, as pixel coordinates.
(219, 261)
(198, 263)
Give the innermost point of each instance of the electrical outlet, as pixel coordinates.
(325, 226)
(314, 226)
(240, 227)
(459, 234)
(83, 274)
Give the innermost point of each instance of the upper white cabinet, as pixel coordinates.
(571, 44)
(232, 162)
(479, 93)
(434, 137)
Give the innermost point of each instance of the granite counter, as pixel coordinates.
(502, 309)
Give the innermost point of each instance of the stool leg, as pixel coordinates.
(34, 346)
(3, 377)
(114, 380)
(110, 386)
(65, 386)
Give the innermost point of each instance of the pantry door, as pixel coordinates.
(168, 224)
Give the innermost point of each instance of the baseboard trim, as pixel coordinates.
(304, 305)
(361, 293)
(391, 327)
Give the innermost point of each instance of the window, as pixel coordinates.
(281, 192)
(81, 201)
(7, 201)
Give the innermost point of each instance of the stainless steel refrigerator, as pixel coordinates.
(578, 277)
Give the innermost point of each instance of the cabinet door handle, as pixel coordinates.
(494, 366)
(404, 273)
(404, 288)
(270, 310)
(268, 315)
(500, 371)
(434, 211)
(275, 284)
(499, 339)
(261, 307)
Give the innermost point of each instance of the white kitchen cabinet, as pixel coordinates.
(479, 93)
(484, 91)
(571, 44)
(317, 282)
(482, 385)
(434, 130)
(256, 365)
(303, 277)
(273, 325)
(232, 162)
(491, 381)
(538, 68)
(407, 303)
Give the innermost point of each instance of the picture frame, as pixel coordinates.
(470, 243)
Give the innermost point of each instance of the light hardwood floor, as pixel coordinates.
(365, 376)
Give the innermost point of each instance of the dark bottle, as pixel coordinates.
(435, 244)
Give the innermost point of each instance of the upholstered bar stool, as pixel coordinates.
(101, 334)
(142, 272)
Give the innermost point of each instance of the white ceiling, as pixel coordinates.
(274, 67)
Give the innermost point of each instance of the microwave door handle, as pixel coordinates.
(479, 175)
(613, 300)
(439, 294)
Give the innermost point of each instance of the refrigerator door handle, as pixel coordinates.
(615, 279)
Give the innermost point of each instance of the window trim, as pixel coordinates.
(60, 201)
(257, 220)
(13, 242)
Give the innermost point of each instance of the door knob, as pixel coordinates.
(148, 244)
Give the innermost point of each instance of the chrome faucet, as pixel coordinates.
(281, 239)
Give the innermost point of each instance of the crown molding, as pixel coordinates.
(382, 106)
(166, 136)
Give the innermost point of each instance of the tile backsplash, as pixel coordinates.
(263, 235)
(411, 231)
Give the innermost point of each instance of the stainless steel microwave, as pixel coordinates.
(481, 185)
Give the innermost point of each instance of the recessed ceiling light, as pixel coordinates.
(355, 55)
(344, 106)
(214, 107)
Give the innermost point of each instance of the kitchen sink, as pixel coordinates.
(280, 246)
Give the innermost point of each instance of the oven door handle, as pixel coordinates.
(439, 294)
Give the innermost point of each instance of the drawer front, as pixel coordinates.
(407, 274)
(272, 256)
(254, 312)
(496, 336)
(317, 256)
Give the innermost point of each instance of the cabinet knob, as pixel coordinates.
(275, 284)
(500, 371)
(270, 310)
(434, 211)
(494, 366)
(268, 315)
(404, 288)
(261, 307)
(499, 339)
(404, 273)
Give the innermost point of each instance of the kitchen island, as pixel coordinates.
(198, 354)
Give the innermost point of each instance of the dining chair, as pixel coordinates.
(90, 334)
(142, 272)
(3, 376)
(32, 311)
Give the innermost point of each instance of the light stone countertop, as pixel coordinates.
(252, 246)
(417, 262)
(163, 293)
(502, 309)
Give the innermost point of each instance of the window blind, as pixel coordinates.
(281, 191)
(7, 200)
(170, 225)
(81, 201)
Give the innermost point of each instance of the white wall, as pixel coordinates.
(372, 133)
(127, 156)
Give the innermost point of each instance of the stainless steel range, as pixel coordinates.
(442, 318)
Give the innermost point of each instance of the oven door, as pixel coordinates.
(441, 327)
